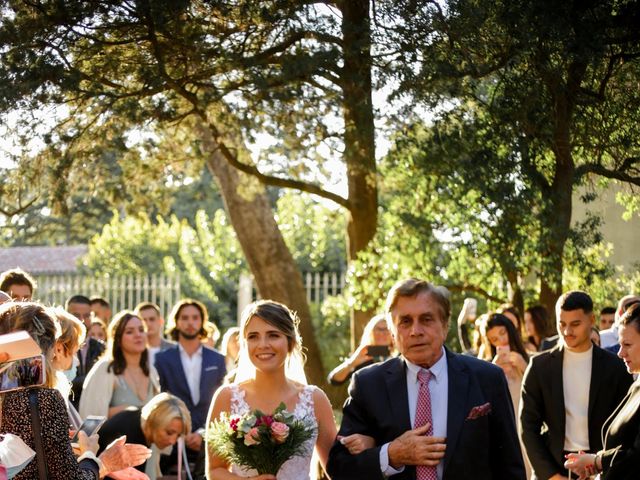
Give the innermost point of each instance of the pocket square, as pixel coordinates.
(212, 367)
(479, 411)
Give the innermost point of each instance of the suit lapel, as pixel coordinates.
(207, 361)
(597, 373)
(396, 381)
(179, 374)
(457, 403)
(557, 389)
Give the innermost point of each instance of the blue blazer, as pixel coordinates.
(485, 447)
(173, 380)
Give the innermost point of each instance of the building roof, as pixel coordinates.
(41, 260)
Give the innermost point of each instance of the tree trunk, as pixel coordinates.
(557, 211)
(276, 275)
(556, 225)
(359, 138)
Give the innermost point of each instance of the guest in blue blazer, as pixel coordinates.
(190, 370)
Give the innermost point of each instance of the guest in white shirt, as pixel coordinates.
(190, 370)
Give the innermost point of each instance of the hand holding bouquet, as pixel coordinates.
(257, 441)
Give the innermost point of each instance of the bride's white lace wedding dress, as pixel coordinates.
(296, 468)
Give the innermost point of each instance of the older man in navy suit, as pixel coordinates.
(433, 414)
(190, 370)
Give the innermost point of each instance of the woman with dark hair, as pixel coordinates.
(504, 348)
(536, 325)
(620, 457)
(59, 461)
(122, 377)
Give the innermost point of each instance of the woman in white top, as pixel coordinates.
(270, 372)
(122, 377)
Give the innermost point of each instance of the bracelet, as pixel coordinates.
(597, 458)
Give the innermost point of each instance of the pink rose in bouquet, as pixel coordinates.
(252, 437)
(279, 431)
(259, 442)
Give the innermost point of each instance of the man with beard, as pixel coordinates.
(191, 371)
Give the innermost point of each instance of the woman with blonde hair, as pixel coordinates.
(122, 377)
(375, 334)
(65, 361)
(54, 452)
(230, 347)
(158, 425)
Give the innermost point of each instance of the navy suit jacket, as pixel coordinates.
(485, 447)
(174, 381)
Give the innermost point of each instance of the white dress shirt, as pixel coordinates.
(439, 391)
(609, 336)
(192, 366)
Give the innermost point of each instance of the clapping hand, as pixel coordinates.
(415, 448)
(120, 455)
(582, 464)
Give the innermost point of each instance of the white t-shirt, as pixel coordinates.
(576, 381)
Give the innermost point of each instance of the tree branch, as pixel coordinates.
(467, 287)
(617, 174)
(220, 144)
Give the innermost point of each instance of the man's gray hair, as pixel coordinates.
(414, 286)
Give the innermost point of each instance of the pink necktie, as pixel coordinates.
(423, 416)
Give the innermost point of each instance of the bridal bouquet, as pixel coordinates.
(259, 442)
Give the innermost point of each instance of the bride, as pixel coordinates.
(270, 371)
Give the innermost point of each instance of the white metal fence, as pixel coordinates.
(322, 285)
(121, 292)
(317, 285)
(128, 290)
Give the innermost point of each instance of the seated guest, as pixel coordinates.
(55, 446)
(123, 377)
(620, 457)
(158, 425)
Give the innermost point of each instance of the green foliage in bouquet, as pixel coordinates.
(260, 442)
